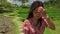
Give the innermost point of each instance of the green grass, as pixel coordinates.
(16, 28)
(57, 31)
(22, 12)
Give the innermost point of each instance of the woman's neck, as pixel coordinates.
(34, 20)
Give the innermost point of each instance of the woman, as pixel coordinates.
(37, 20)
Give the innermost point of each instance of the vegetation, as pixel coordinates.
(52, 8)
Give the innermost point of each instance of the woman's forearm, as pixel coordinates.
(50, 23)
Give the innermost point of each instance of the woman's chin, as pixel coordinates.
(37, 17)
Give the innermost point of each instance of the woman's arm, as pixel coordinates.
(48, 21)
(46, 18)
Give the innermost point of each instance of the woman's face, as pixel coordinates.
(37, 13)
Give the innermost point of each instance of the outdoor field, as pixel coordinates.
(19, 13)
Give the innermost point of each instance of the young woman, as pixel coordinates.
(37, 20)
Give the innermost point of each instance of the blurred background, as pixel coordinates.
(16, 11)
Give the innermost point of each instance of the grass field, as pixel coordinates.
(57, 31)
(54, 13)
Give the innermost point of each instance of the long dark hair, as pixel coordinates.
(35, 5)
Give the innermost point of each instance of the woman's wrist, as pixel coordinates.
(45, 19)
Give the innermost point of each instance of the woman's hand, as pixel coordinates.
(43, 12)
(48, 20)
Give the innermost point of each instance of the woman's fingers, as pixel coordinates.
(41, 9)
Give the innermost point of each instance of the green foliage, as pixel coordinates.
(16, 28)
(53, 3)
(6, 7)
